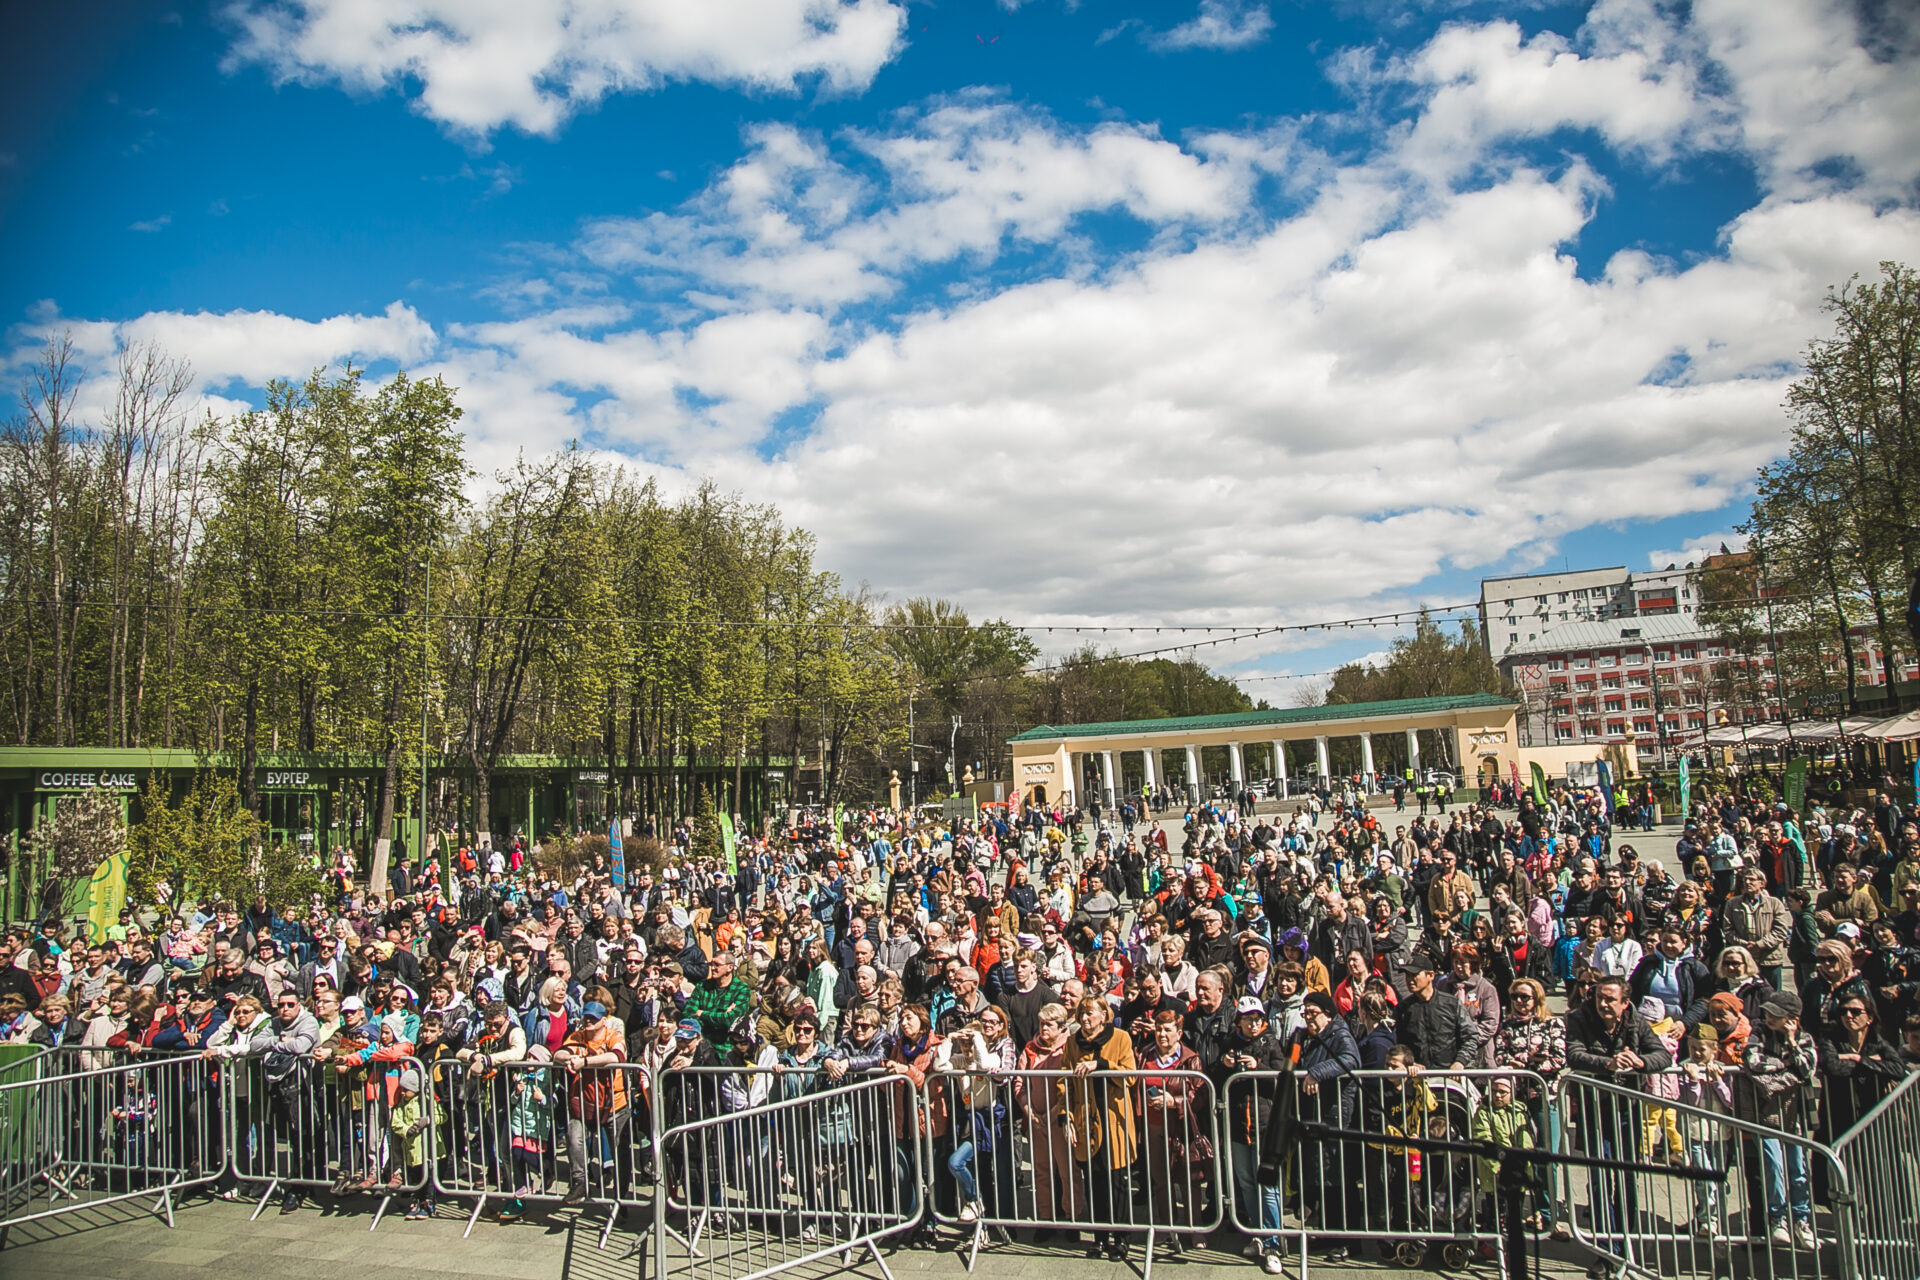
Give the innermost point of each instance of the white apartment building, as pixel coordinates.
(1521, 611)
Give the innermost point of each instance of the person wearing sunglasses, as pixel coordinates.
(1859, 1066)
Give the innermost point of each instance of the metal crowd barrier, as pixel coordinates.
(1656, 1225)
(1375, 1190)
(1882, 1152)
(536, 1132)
(1115, 1153)
(80, 1139)
(338, 1124)
(821, 1168)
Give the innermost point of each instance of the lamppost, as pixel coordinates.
(426, 631)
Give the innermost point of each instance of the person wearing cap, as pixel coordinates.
(596, 1100)
(1433, 1023)
(1327, 1056)
(1252, 1046)
(1774, 1088)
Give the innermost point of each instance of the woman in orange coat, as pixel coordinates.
(1100, 1121)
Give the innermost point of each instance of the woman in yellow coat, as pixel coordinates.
(1100, 1120)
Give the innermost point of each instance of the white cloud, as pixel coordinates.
(150, 225)
(794, 222)
(484, 64)
(1220, 24)
(252, 347)
(1814, 104)
(1488, 83)
(1247, 415)
(1694, 550)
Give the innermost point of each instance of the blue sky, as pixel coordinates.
(1202, 310)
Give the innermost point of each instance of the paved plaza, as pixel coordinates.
(214, 1238)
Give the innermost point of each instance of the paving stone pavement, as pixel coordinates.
(215, 1238)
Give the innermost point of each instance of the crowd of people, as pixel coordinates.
(1770, 974)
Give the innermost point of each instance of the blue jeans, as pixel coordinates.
(1707, 1196)
(1247, 1191)
(960, 1165)
(1785, 1172)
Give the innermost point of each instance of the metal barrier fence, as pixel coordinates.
(79, 1139)
(537, 1132)
(344, 1124)
(1761, 1219)
(1113, 1153)
(1355, 1190)
(823, 1167)
(1882, 1153)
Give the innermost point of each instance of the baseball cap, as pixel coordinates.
(592, 1010)
(1781, 1004)
(687, 1030)
(353, 1004)
(1249, 1004)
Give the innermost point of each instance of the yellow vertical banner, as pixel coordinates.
(106, 895)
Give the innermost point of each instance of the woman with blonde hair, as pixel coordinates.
(1100, 1121)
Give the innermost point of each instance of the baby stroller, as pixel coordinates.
(1432, 1194)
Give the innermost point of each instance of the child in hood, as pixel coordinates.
(1661, 1127)
(409, 1115)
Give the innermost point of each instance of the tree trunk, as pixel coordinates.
(250, 750)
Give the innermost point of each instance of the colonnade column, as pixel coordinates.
(1193, 774)
(1236, 768)
(1320, 755)
(1148, 772)
(1280, 766)
(1106, 776)
(1413, 752)
(1366, 760)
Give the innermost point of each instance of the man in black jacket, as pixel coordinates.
(1606, 1039)
(1433, 1024)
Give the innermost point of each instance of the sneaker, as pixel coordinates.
(809, 1232)
(1254, 1249)
(969, 1211)
(1337, 1254)
(1703, 1230)
(1272, 1263)
(575, 1195)
(1781, 1235)
(1803, 1235)
(290, 1203)
(510, 1212)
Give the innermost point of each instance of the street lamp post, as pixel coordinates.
(426, 632)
